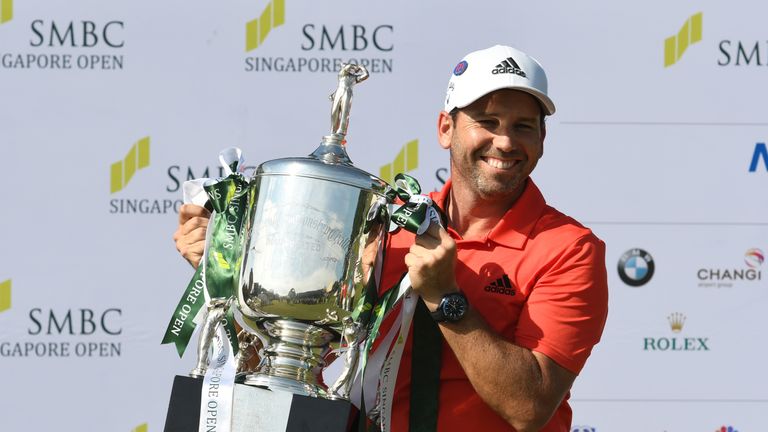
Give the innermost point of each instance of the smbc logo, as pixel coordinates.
(5, 295)
(121, 172)
(689, 34)
(6, 11)
(256, 31)
(406, 160)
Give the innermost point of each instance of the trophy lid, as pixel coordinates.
(323, 169)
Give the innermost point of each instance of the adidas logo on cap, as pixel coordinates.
(501, 285)
(508, 65)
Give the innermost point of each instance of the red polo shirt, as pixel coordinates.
(538, 279)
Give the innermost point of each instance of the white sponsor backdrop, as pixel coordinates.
(650, 157)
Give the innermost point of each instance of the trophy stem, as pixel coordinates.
(294, 359)
(332, 150)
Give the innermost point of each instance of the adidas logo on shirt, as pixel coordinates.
(502, 285)
(508, 65)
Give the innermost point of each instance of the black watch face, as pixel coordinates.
(454, 307)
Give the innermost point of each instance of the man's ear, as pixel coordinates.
(445, 129)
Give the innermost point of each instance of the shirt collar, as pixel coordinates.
(517, 224)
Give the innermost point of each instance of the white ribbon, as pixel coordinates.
(193, 191)
(390, 368)
(218, 387)
(378, 384)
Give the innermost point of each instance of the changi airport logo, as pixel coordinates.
(5, 295)
(676, 321)
(760, 153)
(70, 44)
(724, 277)
(324, 47)
(406, 160)
(257, 30)
(121, 172)
(6, 11)
(754, 257)
(636, 267)
(689, 34)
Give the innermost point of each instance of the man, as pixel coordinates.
(517, 290)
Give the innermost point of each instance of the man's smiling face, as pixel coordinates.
(495, 143)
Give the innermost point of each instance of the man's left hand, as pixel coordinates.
(431, 264)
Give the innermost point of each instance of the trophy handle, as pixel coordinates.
(353, 334)
(217, 309)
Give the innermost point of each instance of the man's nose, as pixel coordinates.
(505, 142)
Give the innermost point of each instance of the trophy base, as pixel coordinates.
(258, 409)
(285, 384)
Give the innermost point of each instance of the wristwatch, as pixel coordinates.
(452, 308)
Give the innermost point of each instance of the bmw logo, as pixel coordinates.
(636, 267)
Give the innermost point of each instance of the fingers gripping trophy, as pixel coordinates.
(309, 265)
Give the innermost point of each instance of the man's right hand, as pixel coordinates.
(190, 235)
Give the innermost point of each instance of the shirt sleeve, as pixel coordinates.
(566, 310)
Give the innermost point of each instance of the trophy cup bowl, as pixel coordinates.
(313, 237)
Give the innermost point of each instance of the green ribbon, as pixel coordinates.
(374, 315)
(415, 216)
(418, 212)
(181, 326)
(220, 268)
(223, 259)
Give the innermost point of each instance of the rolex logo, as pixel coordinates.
(676, 321)
(676, 343)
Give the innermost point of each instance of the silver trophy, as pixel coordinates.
(313, 236)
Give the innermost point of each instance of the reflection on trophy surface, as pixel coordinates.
(312, 234)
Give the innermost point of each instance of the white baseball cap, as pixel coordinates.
(498, 67)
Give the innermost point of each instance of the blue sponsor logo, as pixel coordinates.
(460, 68)
(760, 153)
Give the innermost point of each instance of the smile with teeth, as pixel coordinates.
(499, 163)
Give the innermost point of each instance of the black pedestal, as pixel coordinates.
(257, 409)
